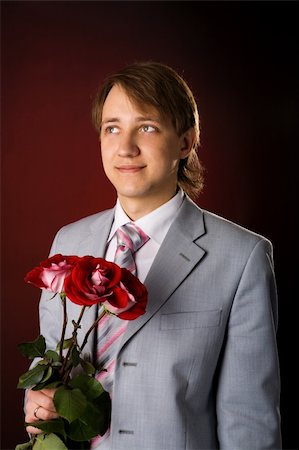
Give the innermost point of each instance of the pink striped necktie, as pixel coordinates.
(130, 238)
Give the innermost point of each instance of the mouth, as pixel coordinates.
(129, 168)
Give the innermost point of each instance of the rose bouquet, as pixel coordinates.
(82, 404)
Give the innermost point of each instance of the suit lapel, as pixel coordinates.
(95, 241)
(177, 256)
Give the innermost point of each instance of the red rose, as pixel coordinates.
(87, 281)
(51, 273)
(133, 303)
(92, 280)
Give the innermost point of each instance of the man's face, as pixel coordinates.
(140, 150)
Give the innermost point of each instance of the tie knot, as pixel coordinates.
(131, 236)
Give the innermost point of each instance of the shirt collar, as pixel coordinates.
(156, 223)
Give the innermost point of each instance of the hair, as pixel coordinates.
(160, 86)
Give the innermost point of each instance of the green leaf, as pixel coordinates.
(25, 446)
(56, 364)
(75, 357)
(51, 426)
(33, 349)
(95, 419)
(69, 403)
(66, 344)
(87, 367)
(90, 387)
(49, 442)
(43, 362)
(89, 424)
(47, 385)
(47, 375)
(32, 377)
(52, 356)
(103, 408)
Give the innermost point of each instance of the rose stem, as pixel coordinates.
(76, 326)
(63, 299)
(92, 328)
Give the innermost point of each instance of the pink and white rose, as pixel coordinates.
(51, 273)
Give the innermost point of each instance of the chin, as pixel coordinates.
(133, 192)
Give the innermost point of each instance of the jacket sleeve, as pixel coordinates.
(50, 310)
(248, 384)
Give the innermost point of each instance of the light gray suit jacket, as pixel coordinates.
(199, 370)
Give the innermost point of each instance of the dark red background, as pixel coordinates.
(241, 61)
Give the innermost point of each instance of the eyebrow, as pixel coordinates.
(138, 119)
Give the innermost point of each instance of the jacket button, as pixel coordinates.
(129, 364)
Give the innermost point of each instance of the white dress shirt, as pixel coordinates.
(155, 225)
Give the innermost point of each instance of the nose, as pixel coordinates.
(128, 146)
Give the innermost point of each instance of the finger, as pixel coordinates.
(45, 414)
(36, 413)
(33, 430)
(49, 392)
(39, 398)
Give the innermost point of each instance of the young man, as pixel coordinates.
(199, 370)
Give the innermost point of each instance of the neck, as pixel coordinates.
(137, 208)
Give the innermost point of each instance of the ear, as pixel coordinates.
(187, 141)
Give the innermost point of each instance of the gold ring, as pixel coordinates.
(35, 411)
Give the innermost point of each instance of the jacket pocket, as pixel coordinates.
(191, 319)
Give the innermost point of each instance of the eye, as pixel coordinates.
(112, 130)
(148, 129)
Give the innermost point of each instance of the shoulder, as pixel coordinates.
(226, 235)
(216, 223)
(234, 237)
(85, 223)
(71, 234)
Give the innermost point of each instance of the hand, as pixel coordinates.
(43, 400)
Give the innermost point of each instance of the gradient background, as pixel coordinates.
(239, 58)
